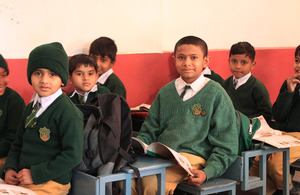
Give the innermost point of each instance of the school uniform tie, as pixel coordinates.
(184, 91)
(81, 99)
(31, 120)
(234, 82)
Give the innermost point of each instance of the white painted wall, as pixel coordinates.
(145, 26)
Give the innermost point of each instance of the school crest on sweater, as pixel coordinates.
(44, 134)
(197, 110)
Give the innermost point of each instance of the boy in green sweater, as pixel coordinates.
(83, 75)
(104, 50)
(194, 116)
(11, 108)
(248, 94)
(49, 140)
(286, 111)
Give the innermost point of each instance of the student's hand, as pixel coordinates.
(199, 177)
(292, 82)
(11, 177)
(25, 177)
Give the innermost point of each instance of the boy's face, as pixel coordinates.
(45, 82)
(189, 62)
(84, 78)
(3, 80)
(240, 65)
(297, 66)
(104, 64)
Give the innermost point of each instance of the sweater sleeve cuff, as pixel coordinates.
(209, 172)
(37, 174)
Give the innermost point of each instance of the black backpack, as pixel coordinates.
(107, 135)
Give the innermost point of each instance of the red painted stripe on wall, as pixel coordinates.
(144, 74)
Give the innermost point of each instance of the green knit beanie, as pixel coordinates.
(51, 56)
(3, 63)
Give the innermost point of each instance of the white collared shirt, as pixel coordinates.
(241, 80)
(86, 94)
(196, 86)
(102, 78)
(206, 71)
(44, 101)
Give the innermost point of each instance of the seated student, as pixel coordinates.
(11, 108)
(49, 140)
(83, 75)
(207, 72)
(248, 94)
(104, 50)
(195, 117)
(286, 111)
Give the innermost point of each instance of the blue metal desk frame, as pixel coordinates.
(148, 165)
(261, 183)
(85, 184)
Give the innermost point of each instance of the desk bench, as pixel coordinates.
(148, 165)
(239, 172)
(85, 184)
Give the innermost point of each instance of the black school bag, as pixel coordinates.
(107, 135)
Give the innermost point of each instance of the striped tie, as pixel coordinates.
(31, 120)
(184, 91)
(81, 99)
(234, 83)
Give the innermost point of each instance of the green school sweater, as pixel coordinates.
(115, 85)
(92, 95)
(204, 125)
(251, 98)
(215, 77)
(53, 147)
(286, 109)
(11, 108)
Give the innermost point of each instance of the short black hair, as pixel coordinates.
(243, 48)
(297, 52)
(192, 40)
(104, 46)
(81, 59)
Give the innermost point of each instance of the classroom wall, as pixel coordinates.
(144, 74)
(145, 33)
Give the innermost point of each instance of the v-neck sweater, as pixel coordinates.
(11, 108)
(204, 125)
(53, 147)
(252, 98)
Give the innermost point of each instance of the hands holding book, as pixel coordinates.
(199, 177)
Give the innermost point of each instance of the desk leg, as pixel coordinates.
(263, 174)
(101, 187)
(161, 182)
(286, 171)
(127, 184)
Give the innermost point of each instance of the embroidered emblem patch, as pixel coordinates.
(44, 134)
(196, 109)
(1, 112)
(203, 113)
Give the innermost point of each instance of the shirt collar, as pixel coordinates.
(180, 83)
(94, 89)
(102, 78)
(242, 80)
(206, 71)
(45, 101)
